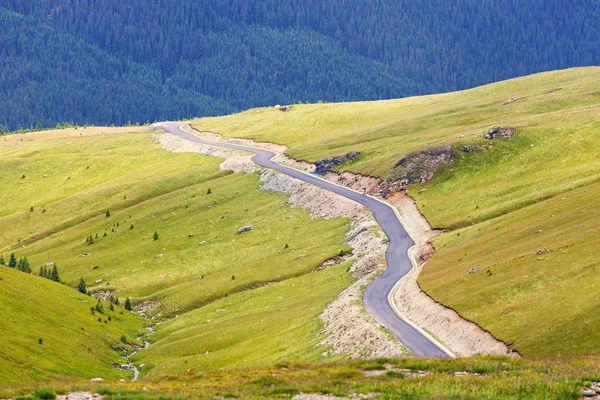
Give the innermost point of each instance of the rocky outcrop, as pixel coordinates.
(326, 165)
(500, 132)
(422, 166)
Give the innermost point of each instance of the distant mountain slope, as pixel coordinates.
(184, 57)
(50, 77)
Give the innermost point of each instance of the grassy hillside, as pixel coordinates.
(72, 177)
(501, 193)
(73, 342)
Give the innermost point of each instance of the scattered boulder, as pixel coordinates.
(95, 267)
(245, 228)
(543, 251)
(85, 255)
(500, 132)
(202, 242)
(159, 255)
(473, 270)
(191, 235)
(98, 281)
(49, 264)
(588, 393)
(422, 166)
(285, 108)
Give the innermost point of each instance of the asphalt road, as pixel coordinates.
(375, 297)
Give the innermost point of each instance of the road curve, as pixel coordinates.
(375, 297)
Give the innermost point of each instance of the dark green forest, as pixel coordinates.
(117, 61)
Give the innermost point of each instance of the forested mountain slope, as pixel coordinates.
(108, 61)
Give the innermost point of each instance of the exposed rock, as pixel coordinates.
(543, 251)
(500, 132)
(353, 155)
(326, 165)
(473, 270)
(103, 295)
(285, 108)
(159, 255)
(468, 148)
(422, 166)
(512, 100)
(49, 264)
(245, 228)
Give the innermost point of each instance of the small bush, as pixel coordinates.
(44, 394)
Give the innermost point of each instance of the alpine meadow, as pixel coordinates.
(299, 200)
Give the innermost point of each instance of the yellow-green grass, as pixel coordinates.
(275, 323)
(555, 154)
(499, 378)
(73, 342)
(157, 191)
(559, 114)
(545, 305)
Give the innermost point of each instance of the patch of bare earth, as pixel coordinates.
(319, 396)
(348, 328)
(80, 396)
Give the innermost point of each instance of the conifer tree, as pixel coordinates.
(54, 276)
(12, 262)
(155, 235)
(128, 306)
(2, 261)
(82, 287)
(24, 265)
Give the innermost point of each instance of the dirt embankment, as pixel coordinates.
(348, 328)
(462, 337)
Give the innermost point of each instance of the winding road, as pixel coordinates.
(376, 295)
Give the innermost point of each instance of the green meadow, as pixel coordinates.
(198, 264)
(491, 378)
(497, 205)
(47, 331)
